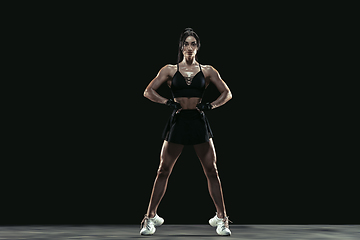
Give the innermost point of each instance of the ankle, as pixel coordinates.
(221, 215)
(151, 215)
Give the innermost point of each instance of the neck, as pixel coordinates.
(189, 61)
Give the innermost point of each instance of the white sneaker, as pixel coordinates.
(221, 224)
(149, 224)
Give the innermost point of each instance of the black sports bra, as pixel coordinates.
(188, 86)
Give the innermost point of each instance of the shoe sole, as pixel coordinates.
(224, 235)
(147, 234)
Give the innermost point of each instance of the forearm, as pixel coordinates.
(224, 97)
(152, 95)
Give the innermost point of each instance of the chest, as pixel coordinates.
(197, 81)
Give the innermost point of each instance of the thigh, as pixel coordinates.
(206, 153)
(170, 152)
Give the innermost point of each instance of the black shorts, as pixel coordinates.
(188, 127)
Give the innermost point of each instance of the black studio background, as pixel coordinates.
(98, 140)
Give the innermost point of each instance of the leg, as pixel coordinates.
(170, 152)
(207, 155)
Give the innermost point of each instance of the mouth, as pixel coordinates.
(190, 53)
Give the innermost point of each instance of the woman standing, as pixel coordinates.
(187, 125)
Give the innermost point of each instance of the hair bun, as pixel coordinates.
(188, 30)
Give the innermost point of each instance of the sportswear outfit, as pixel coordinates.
(189, 126)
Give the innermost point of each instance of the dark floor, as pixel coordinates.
(278, 232)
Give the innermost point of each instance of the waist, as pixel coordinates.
(188, 114)
(188, 111)
(188, 103)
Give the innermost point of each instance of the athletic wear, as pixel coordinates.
(188, 127)
(188, 86)
(221, 224)
(149, 224)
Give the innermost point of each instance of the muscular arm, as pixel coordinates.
(150, 91)
(225, 93)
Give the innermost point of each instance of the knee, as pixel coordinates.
(164, 172)
(211, 172)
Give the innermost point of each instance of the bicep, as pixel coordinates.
(217, 81)
(160, 78)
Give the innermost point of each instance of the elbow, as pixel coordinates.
(146, 93)
(229, 94)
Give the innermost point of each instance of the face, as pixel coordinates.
(190, 47)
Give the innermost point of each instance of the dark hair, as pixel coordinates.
(188, 32)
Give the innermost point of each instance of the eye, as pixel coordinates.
(186, 44)
(193, 43)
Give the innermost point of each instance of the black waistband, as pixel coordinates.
(188, 111)
(188, 114)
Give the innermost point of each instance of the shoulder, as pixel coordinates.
(209, 70)
(205, 66)
(171, 66)
(169, 69)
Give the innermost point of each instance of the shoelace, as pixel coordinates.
(144, 221)
(226, 222)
